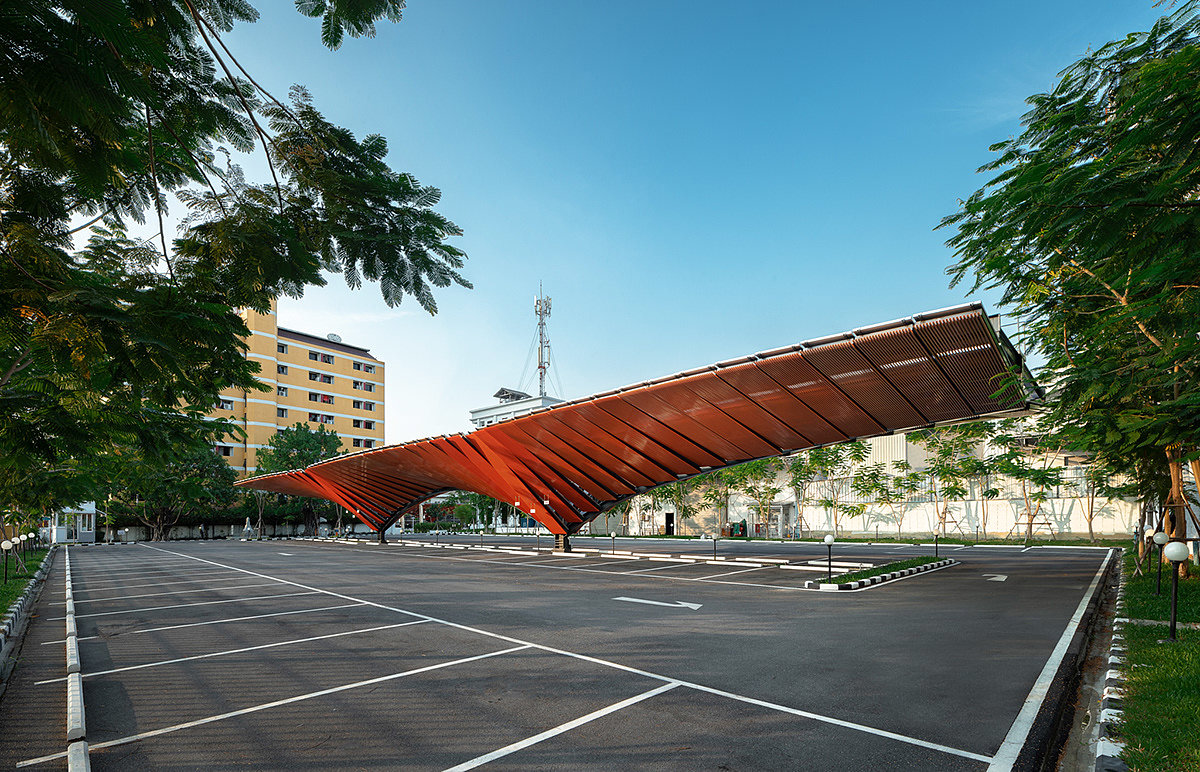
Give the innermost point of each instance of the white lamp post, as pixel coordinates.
(6, 545)
(829, 546)
(1176, 552)
(1160, 538)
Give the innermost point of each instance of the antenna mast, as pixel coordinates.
(541, 308)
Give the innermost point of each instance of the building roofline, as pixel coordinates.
(326, 343)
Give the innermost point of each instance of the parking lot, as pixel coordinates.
(300, 654)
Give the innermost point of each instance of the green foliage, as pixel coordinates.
(835, 466)
(194, 483)
(889, 489)
(954, 458)
(296, 447)
(1089, 230)
(107, 111)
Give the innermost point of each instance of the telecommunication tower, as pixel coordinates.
(541, 308)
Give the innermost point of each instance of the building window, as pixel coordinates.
(326, 378)
(322, 377)
(364, 386)
(327, 358)
(281, 348)
(281, 369)
(327, 399)
(357, 423)
(281, 391)
(357, 404)
(224, 450)
(369, 368)
(281, 412)
(312, 355)
(312, 376)
(368, 406)
(358, 365)
(320, 418)
(225, 404)
(368, 443)
(357, 442)
(368, 424)
(313, 396)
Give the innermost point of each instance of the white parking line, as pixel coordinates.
(275, 704)
(189, 605)
(1007, 754)
(83, 580)
(158, 584)
(743, 571)
(615, 665)
(218, 621)
(656, 568)
(172, 592)
(211, 654)
(500, 753)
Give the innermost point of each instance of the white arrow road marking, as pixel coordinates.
(676, 604)
(997, 577)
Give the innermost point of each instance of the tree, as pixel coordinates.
(889, 489)
(1028, 455)
(1089, 230)
(159, 494)
(759, 480)
(715, 487)
(296, 447)
(802, 475)
(106, 111)
(952, 452)
(835, 466)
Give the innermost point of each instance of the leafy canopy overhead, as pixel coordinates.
(112, 112)
(1090, 229)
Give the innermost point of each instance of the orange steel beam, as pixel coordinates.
(566, 464)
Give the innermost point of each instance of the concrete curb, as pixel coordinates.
(1109, 748)
(816, 584)
(77, 748)
(76, 725)
(77, 757)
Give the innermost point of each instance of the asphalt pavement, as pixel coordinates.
(302, 654)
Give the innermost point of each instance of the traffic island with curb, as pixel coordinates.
(816, 584)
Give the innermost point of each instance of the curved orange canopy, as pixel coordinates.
(566, 464)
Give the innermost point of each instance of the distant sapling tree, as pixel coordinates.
(889, 489)
(836, 466)
(296, 447)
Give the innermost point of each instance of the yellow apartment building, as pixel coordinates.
(314, 380)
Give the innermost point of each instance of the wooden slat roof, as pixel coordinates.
(566, 464)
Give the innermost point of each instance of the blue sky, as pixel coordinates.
(690, 181)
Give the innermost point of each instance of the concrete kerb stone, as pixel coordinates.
(1109, 748)
(72, 655)
(77, 757)
(76, 725)
(816, 584)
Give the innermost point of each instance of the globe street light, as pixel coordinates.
(829, 545)
(23, 538)
(6, 545)
(1160, 538)
(1176, 552)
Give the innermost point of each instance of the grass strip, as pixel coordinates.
(1142, 603)
(1162, 700)
(17, 580)
(886, 568)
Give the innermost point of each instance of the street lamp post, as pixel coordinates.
(6, 545)
(935, 543)
(829, 546)
(1160, 538)
(1176, 552)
